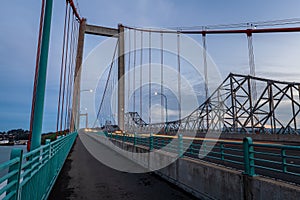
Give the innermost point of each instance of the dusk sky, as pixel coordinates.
(276, 56)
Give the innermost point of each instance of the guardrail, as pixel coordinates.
(271, 157)
(31, 176)
(249, 156)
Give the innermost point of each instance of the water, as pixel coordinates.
(5, 151)
(5, 154)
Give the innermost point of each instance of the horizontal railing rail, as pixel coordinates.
(280, 158)
(253, 158)
(31, 175)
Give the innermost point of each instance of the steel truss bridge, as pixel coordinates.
(241, 104)
(231, 108)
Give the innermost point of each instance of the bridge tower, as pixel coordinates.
(121, 78)
(77, 78)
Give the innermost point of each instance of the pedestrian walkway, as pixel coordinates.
(84, 177)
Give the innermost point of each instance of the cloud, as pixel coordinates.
(20, 21)
(156, 111)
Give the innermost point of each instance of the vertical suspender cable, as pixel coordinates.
(65, 71)
(141, 77)
(112, 82)
(69, 72)
(205, 76)
(107, 82)
(252, 65)
(149, 74)
(179, 76)
(61, 70)
(73, 68)
(134, 65)
(205, 64)
(68, 75)
(161, 72)
(129, 57)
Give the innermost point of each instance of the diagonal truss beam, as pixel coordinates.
(231, 108)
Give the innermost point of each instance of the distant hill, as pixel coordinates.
(17, 134)
(20, 134)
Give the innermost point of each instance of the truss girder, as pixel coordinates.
(231, 108)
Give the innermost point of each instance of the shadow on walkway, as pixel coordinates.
(84, 177)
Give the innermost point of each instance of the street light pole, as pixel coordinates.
(166, 103)
(90, 90)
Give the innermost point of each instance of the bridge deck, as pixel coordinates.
(84, 177)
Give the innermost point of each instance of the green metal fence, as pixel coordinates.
(266, 158)
(31, 176)
(271, 157)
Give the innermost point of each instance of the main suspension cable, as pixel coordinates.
(280, 22)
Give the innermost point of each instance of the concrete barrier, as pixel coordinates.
(206, 180)
(264, 188)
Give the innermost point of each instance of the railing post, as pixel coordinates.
(134, 139)
(222, 150)
(180, 145)
(15, 153)
(248, 156)
(151, 142)
(283, 156)
(48, 141)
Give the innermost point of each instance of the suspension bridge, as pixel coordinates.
(211, 138)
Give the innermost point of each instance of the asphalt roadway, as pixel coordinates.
(84, 177)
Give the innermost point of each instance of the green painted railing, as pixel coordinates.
(271, 157)
(31, 176)
(254, 158)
